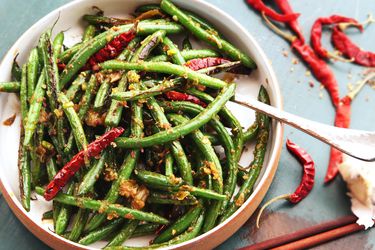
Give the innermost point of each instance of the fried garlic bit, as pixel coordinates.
(136, 193)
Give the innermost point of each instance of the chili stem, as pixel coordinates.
(280, 197)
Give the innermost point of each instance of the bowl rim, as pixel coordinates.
(59, 242)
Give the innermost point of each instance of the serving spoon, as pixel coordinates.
(356, 143)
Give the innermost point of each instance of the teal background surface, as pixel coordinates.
(325, 202)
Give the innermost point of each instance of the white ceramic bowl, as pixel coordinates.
(70, 19)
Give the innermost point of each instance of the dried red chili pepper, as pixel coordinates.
(112, 49)
(178, 96)
(342, 120)
(307, 181)
(93, 149)
(316, 34)
(285, 7)
(349, 49)
(202, 63)
(261, 7)
(319, 68)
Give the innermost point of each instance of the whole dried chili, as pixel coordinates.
(307, 181)
(349, 49)
(342, 120)
(112, 49)
(202, 63)
(319, 68)
(196, 64)
(93, 149)
(285, 7)
(316, 34)
(178, 96)
(261, 7)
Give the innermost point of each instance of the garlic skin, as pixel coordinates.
(360, 179)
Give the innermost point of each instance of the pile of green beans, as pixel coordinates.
(166, 175)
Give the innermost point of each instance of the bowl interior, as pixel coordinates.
(70, 20)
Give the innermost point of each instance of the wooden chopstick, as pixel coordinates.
(322, 237)
(303, 233)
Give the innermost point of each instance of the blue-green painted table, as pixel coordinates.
(325, 202)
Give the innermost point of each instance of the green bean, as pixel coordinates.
(188, 55)
(167, 68)
(51, 168)
(76, 86)
(159, 181)
(147, 45)
(24, 94)
(58, 44)
(133, 95)
(165, 85)
(34, 111)
(168, 165)
(145, 229)
(115, 110)
(208, 37)
(32, 72)
(228, 117)
(25, 176)
(62, 220)
(196, 227)
(10, 87)
(175, 146)
(256, 165)
(186, 45)
(102, 94)
(84, 107)
(92, 175)
(36, 163)
(100, 20)
(173, 52)
(179, 226)
(202, 22)
(69, 53)
(125, 233)
(104, 207)
(79, 222)
(127, 53)
(50, 69)
(102, 232)
(51, 172)
(172, 198)
(223, 136)
(47, 215)
(87, 97)
(89, 33)
(92, 46)
(16, 70)
(213, 163)
(172, 134)
(251, 132)
(75, 122)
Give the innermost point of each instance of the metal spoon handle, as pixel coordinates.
(356, 143)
